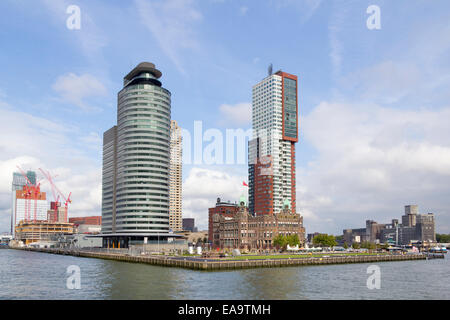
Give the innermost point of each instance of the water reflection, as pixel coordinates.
(32, 275)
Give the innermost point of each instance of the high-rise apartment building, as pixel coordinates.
(19, 181)
(175, 178)
(272, 148)
(31, 205)
(135, 196)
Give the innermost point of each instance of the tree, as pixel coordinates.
(356, 245)
(368, 245)
(293, 240)
(345, 245)
(280, 241)
(442, 238)
(324, 240)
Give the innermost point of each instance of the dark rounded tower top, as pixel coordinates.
(144, 67)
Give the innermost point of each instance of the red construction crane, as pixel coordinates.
(55, 190)
(55, 196)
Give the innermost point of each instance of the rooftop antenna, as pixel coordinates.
(270, 69)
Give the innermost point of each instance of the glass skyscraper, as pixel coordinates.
(135, 195)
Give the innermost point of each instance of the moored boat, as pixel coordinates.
(438, 249)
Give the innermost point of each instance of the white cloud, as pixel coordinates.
(335, 27)
(306, 8)
(408, 70)
(10, 165)
(239, 114)
(34, 142)
(243, 10)
(398, 82)
(371, 161)
(90, 39)
(386, 82)
(202, 187)
(75, 89)
(171, 23)
(93, 141)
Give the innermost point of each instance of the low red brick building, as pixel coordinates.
(226, 209)
(244, 231)
(92, 220)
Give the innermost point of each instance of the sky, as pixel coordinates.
(374, 104)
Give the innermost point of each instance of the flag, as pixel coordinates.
(245, 185)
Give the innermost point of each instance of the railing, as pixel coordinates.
(161, 242)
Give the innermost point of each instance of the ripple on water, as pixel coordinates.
(34, 275)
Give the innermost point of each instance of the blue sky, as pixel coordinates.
(374, 104)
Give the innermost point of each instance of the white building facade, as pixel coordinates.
(19, 181)
(29, 205)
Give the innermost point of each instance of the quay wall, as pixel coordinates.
(212, 265)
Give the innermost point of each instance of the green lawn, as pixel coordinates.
(294, 256)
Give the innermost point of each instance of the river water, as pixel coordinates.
(34, 275)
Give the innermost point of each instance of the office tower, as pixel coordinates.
(19, 181)
(272, 148)
(135, 194)
(109, 180)
(189, 224)
(175, 178)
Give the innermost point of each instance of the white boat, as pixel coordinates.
(438, 249)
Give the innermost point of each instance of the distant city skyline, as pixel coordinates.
(373, 103)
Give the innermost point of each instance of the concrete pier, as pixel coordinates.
(213, 265)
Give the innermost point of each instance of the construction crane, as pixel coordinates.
(55, 191)
(55, 196)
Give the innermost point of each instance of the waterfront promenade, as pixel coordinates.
(197, 263)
